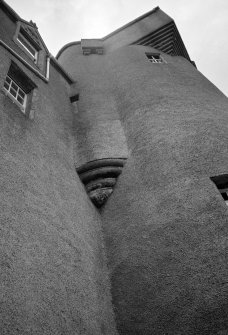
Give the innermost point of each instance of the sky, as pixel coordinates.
(203, 25)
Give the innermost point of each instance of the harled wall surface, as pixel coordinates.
(53, 268)
(165, 223)
(98, 130)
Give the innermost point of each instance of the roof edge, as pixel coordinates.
(113, 33)
(61, 70)
(10, 10)
(65, 47)
(13, 14)
(17, 17)
(132, 22)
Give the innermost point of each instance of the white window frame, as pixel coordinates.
(20, 97)
(152, 58)
(33, 53)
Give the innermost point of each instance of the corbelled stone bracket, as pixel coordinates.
(99, 177)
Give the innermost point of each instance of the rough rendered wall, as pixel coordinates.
(53, 269)
(166, 223)
(98, 130)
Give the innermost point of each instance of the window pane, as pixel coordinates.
(8, 80)
(13, 92)
(21, 93)
(20, 100)
(6, 85)
(14, 86)
(27, 45)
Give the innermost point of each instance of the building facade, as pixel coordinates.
(113, 184)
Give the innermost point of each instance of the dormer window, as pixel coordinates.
(154, 57)
(27, 45)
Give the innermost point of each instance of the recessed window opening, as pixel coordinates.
(27, 45)
(225, 196)
(222, 184)
(15, 92)
(74, 98)
(154, 58)
(19, 87)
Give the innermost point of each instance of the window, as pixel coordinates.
(154, 58)
(222, 184)
(18, 87)
(74, 98)
(27, 45)
(15, 92)
(225, 196)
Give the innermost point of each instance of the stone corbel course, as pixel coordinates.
(99, 177)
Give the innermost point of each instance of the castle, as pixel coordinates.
(114, 181)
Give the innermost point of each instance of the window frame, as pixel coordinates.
(22, 88)
(21, 38)
(151, 56)
(18, 92)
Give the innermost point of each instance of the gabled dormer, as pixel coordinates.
(23, 38)
(30, 42)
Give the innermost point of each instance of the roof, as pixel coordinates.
(132, 22)
(155, 29)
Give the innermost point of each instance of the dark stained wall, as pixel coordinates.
(53, 273)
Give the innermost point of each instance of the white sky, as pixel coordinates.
(203, 25)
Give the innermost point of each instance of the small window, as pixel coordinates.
(19, 87)
(15, 92)
(154, 58)
(222, 184)
(31, 50)
(74, 98)
(225, 196)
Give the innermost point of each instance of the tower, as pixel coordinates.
(113, 180)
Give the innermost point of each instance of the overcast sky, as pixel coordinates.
(203, 25)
